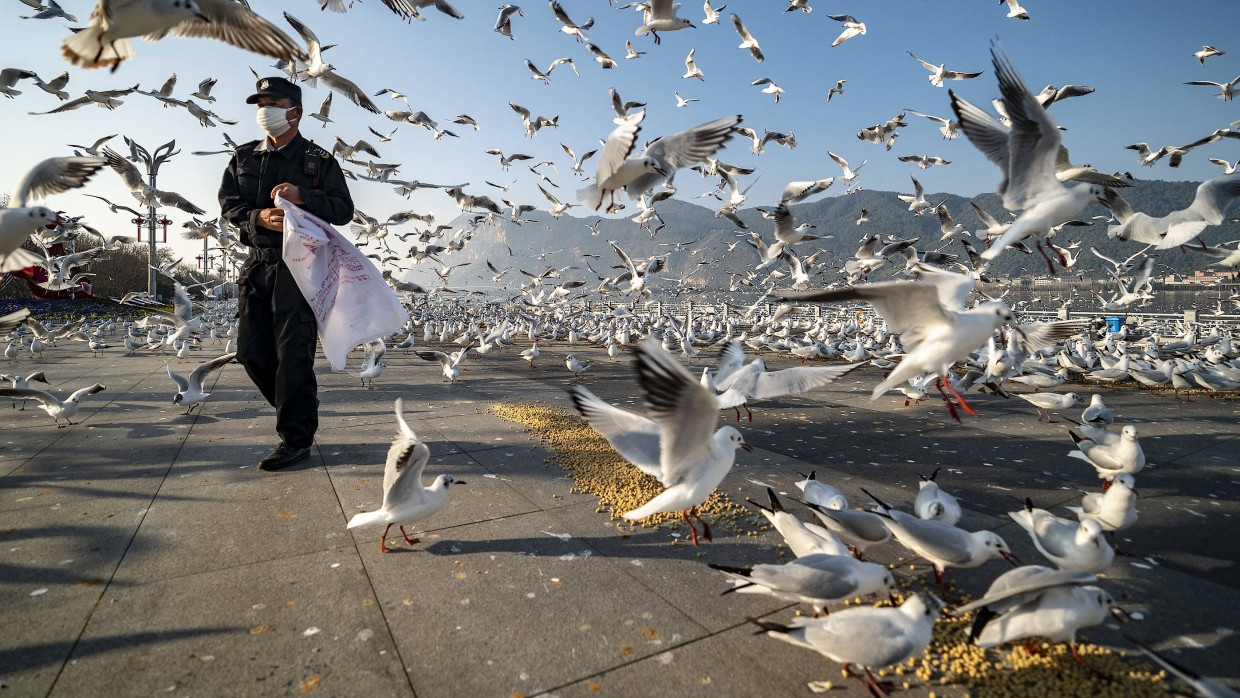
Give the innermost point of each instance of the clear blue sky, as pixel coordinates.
(1135, 53)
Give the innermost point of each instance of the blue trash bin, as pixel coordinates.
(1114, 323)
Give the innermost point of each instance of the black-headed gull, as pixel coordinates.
(817, 579)
(405, 499)
(943, 545)
(1027, 155)
(55, 408)
(1068, 545)
(851, 28)
(678, 443)
(191, 391)
(930, 316)
(802, 538)
(661, 17)
(1036, 601)
(658, 161)
(867, 636)
(933, 503)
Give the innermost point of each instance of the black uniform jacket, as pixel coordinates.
(254, 172)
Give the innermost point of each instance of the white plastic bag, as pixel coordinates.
(351, 302)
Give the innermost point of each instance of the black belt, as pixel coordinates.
(266, 254)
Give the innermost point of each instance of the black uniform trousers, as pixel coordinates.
(276, 338)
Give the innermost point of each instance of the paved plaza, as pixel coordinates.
(142, 553)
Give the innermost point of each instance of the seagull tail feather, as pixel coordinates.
(366, 517)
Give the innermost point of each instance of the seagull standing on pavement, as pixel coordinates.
(405, 499)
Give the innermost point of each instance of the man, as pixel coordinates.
(276, 334)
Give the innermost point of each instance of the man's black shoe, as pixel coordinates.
(283, 457)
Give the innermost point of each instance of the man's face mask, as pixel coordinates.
(274, 120)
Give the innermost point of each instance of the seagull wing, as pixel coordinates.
(619, 145)
(31, 394)
(685, 411)
(1039, 335)
(182, 383)
(402, 474)
(53, 176)
(730, 361)
(634, 437)
(792, 381)
(1033, 144)
(984, 132)
(236, 24)
(909, 307)
(1024, 581)
(126, 169)
(199, 375)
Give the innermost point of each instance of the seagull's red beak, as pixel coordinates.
(1010, 558)
(747, 447)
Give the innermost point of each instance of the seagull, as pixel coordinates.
(933, 504)
(747, 40)
(1026, 154)
(851, 28)
(868, 636)
(925, 162)
(677, 444)
(739, 383)
(316, 69)
(1015, 11)
(53, 406)
(942, 544)
(451, 365)
(821, 494)
(849, 174)
(837, 90)
(1068, 545)
(1177, 228)
(577, 367)
(503, 23)
(204, 90)
(9, 78)
(657, 162)
(712, 13)
(1207, 52)
(816, 579)
(1228, 89)
(770, 89)
(22, 383)
(661, 17)
(1045, 402)
(190, 392)
(683, 101)
(630, 53)
(1123, 455)
(20, 219)
(405, 499)
(929, 314)
(949, 128)
(939, 73)
(691, 69)
(1097, 415)
(571, 28)
(105, 41)
(1036, 601)
(802, 538)
(372, 363)
(324, 109)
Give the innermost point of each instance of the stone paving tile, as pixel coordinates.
(271, 628)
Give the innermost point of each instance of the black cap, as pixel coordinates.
(275, 87)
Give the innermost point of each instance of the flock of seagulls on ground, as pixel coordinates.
(923, 325)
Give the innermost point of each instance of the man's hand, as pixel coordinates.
(272, 218)
(290, 192)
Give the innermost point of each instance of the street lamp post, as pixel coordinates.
(152, 161)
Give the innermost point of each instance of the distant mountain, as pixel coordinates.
(545, 242)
